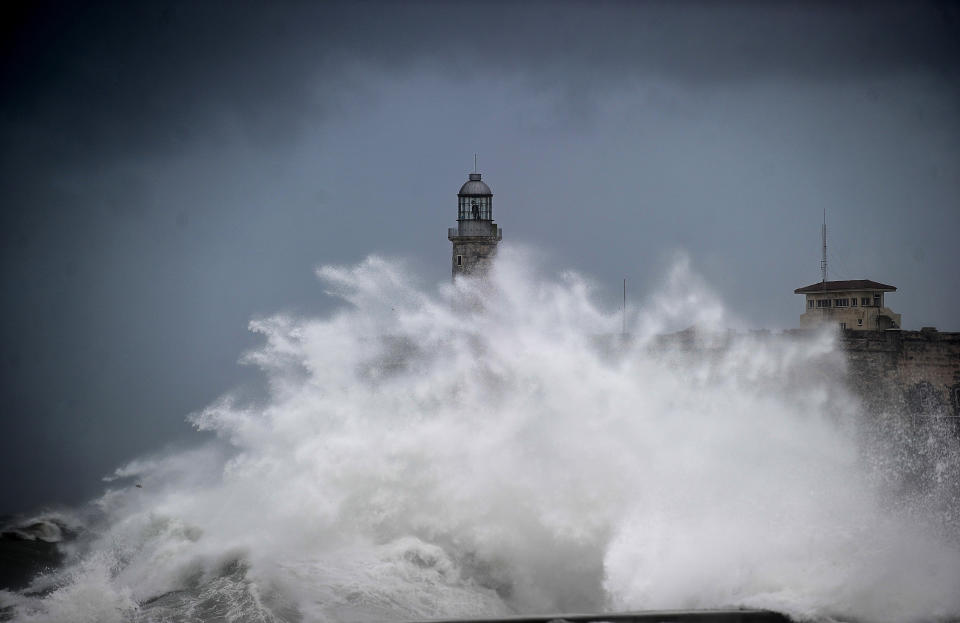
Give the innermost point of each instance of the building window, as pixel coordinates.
(823, 303)
(876, 300)
(841, 302)
(459, 260)
(853, 302)
(843, 325)
(810, 303)
(859, 322)
(865, 301)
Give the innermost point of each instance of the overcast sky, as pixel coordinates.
(170, 170)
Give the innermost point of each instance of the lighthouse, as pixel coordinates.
(476, 236)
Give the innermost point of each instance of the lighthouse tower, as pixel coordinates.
(476, 236)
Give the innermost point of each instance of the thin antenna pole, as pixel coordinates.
(823, 259)
(624, 305)
(474, 163)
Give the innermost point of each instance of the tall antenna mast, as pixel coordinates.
(624, 305)
(475, 164)
(823, 259)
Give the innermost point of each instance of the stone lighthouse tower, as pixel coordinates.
(476, 236)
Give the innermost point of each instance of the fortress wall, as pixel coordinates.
(894, 372)
(910, 372)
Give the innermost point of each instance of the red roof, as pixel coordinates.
(836, 286)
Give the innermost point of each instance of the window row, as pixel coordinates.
(847, 302)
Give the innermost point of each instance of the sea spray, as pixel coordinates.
(499, 447)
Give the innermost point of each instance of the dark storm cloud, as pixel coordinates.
(136, 79)
(140, 78)
(158, 191)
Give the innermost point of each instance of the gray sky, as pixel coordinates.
(169, 171)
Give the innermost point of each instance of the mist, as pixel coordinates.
(495, 447)
(171, 172)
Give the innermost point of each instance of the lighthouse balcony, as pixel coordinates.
(471, 228)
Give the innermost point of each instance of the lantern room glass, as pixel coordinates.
(475, 208)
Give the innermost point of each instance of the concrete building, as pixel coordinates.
(476, 236)
(856, 304)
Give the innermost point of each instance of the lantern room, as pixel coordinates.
(475, 200)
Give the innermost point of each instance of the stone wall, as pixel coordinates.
(909, 382)
(894, 372)
(477, 254)
(475, 244)
(909, 372)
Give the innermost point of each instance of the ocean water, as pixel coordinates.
(497, 447)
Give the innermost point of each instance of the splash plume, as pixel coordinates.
(418, 456)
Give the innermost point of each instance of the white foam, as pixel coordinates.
(422, 458)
